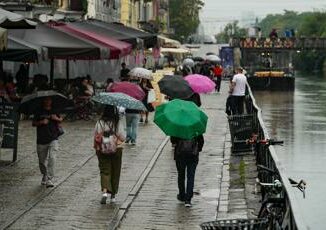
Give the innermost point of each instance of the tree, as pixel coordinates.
(230, 30)
(184, 17)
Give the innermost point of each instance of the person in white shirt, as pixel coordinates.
(238, 90)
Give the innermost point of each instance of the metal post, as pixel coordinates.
(52, 73)
(67, 73)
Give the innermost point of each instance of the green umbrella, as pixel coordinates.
(119, 99)
(182, 119)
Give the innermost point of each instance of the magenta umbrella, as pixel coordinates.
(128, 88)
(200, 83)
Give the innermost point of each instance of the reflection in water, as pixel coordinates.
(299, 118)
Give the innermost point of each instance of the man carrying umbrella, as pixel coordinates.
(186, 123)
(47, 123)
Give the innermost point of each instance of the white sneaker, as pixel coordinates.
(188, 204)
(44, 180)
(49, 184)
(104, 197)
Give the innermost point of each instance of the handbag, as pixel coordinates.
(151, 96)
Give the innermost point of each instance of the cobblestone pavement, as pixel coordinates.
(156, 206)
(74, 202)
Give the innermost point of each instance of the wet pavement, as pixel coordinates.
(148, 188)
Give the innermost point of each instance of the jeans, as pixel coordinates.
(218, 83)
(238, 103)
(132, 120)
(46, 157)
(189, 165)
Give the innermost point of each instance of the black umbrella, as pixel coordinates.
(32, 103)
(175, 87)
(198, 59)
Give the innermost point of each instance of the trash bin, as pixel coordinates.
(241, 128)
(236, 224)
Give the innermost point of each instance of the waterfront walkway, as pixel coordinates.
(148, 189)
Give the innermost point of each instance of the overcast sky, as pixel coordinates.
(217, 13)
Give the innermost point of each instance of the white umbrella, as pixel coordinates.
(188, 62)
(213, 58)
(141, 73)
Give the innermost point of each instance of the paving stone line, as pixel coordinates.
(137, 187)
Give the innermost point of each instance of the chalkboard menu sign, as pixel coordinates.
(9, 125)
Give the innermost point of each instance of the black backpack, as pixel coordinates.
(187, 147)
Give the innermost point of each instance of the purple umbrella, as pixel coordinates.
(200, 83)
(128, 88)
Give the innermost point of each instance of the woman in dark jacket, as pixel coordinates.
(186, 155)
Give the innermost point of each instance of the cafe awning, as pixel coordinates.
(106, 32)
(17, 51)
(150, 40)
(117, 48)
(169, 43)
(57, 44)
(11, 20)
(3, 39)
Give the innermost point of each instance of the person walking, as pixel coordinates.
(238, 90)
(146, 86)
(124, 72)
(186, 155)
(132, 120)
(217, 70)
(47, 123)
(108, 138)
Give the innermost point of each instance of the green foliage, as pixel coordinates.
(230, 30)
(184, 17)
(308, 24)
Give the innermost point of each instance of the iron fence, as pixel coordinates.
(266, 157)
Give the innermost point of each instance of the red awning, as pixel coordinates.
(117, 48)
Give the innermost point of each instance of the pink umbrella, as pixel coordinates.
(200, 83)
(128, 88)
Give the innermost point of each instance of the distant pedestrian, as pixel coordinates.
(206, 69)
(132, 120)
(47, 123)
(146, 86)
(108, 138)
(124, 72)
(238, 90)
(217, 71)
(22, 79)
(273, 34)
(186, 155)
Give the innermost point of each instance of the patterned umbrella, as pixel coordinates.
(141, 73)
(30, 104)
(200, 83)
(175, 87)
(128, 88)
(179, 118)
(119, 99)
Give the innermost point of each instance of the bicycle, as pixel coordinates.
(273, 205)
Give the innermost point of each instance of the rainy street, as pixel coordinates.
(148, 187)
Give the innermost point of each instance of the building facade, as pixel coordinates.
(104, 10)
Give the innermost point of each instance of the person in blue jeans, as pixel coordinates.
(186, 162)
(132, 120)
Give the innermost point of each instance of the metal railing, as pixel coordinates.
(266, 157)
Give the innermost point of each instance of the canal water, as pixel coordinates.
(299, 118)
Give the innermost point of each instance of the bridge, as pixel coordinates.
(282, 43)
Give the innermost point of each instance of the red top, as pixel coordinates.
(217, 71)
